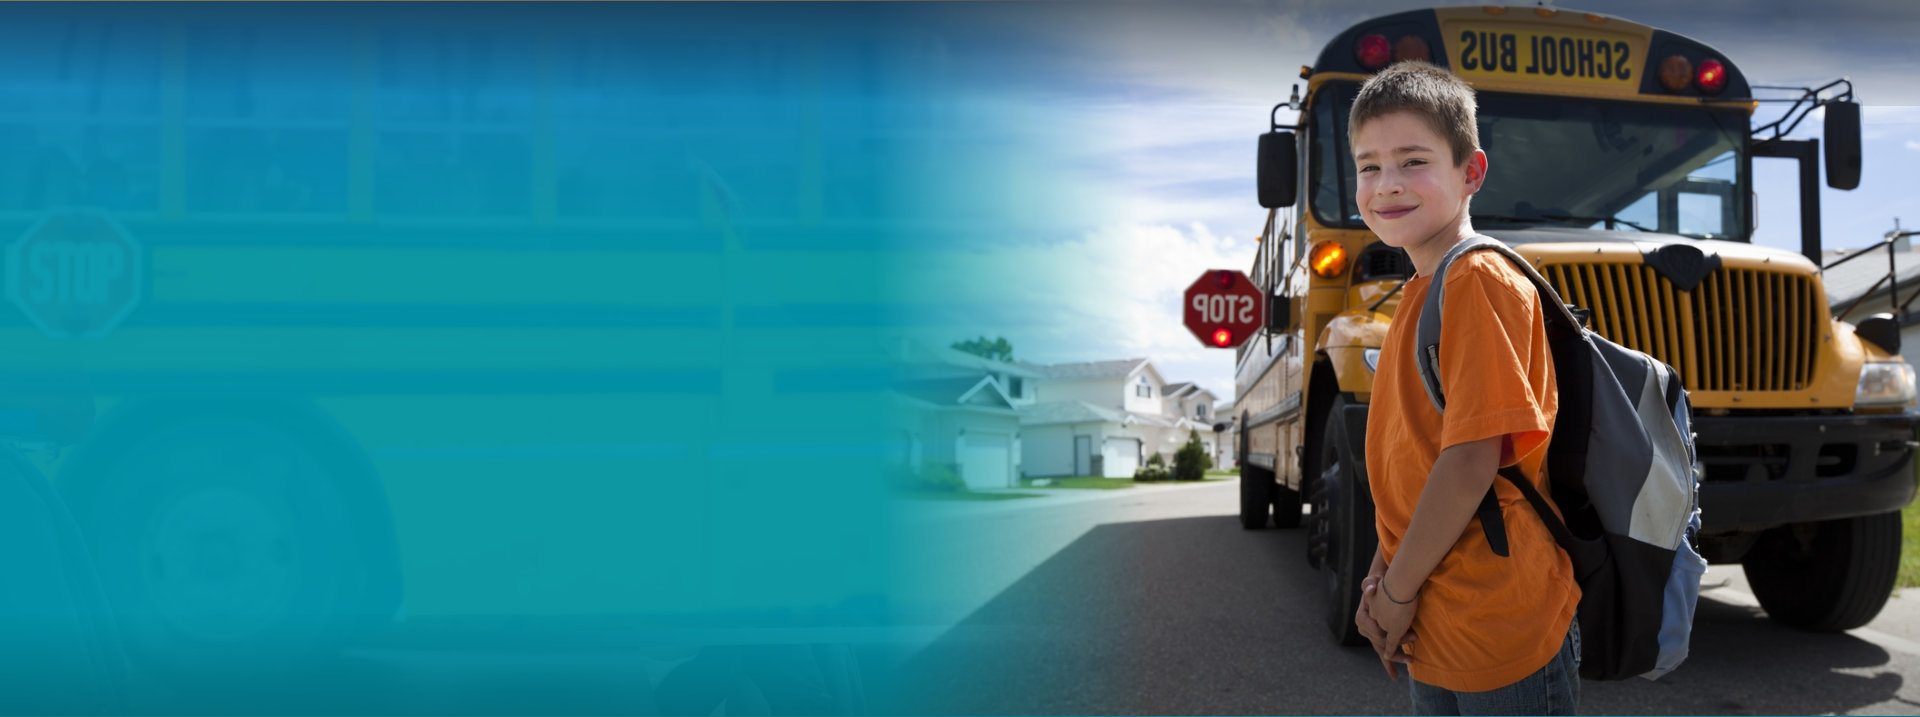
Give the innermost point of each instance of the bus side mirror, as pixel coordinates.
(1279, 312)
(1843, 145)
(1882, 330)
(1279, 166)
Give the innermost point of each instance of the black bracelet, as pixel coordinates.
(1383, 591)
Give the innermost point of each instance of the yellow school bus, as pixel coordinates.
(1621, 164)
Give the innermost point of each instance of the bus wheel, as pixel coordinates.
(1833, 575)
(1343, 536)
(223, 545)
(1256, 489)
(1286, 507)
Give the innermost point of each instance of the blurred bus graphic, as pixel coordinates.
(491, 320)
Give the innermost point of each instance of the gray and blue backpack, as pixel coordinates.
(1621, 467)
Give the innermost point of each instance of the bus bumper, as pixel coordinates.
(1764, 471)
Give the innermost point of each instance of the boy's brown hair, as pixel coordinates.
(1438, 97)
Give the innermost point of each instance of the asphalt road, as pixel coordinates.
(1154, 601)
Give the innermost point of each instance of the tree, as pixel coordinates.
(997, 349)
(1190, 462)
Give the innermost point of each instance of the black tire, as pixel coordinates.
(1256, 495)
(1286, 507)
(1836, 580)
(1342, 540)
(220, 543)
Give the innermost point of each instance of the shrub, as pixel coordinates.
(1151, 473)
(933, 478)
(1190, 462)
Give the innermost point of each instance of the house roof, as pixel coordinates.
(1175, 389)
(1152, 420)
(1053, 412)
(1094, 369)
(954, 391)
(1851, 280)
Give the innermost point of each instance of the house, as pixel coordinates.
(1105, 418)
(1859, 284)
(961, 414)
(1226, 453)
(1195, 404)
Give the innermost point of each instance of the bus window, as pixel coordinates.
(616, 176)
(80, 120)
(1700, 214)
(1702, 205)
(266, 120)
(453, 174)
(1644, 211)
(1566, 162)
(266, 73)
(1332, 171)
(253, 170)
(462, 78)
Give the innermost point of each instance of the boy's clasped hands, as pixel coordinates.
(1386, 623)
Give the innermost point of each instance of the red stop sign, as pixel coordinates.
(1223, 308)
(76, 273)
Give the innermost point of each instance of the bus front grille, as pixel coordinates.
(1738, 330)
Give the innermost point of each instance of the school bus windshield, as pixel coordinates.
(1555, 161)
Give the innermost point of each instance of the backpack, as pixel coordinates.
(1621, 467)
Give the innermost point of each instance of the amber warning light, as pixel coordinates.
(1328, 259)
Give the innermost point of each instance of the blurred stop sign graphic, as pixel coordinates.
(76, 274)
(1223, 308)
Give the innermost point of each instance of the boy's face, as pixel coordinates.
(1410, 192)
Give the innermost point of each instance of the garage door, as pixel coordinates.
(986, 460)
(1123, 457)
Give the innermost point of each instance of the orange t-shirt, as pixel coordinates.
(1484, 621)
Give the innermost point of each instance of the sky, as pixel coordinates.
(1155, 110)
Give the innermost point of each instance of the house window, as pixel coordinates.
(1143, 390)
(1015, 386)
(1201, 411)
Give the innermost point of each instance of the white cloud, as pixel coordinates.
(1113, 292)
(1913, 144)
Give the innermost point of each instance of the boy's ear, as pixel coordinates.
(1476, 167)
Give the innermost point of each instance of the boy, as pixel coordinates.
(1479, 633)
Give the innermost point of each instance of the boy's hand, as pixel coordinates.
(1392, 625)
(1376, 633)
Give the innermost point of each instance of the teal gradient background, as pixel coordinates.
(455, 358)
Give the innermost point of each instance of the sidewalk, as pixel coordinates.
(1896, 629)
(1049, 498)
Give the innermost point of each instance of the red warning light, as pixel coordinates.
(1373, 51)
(1713, 77)
(1223, 278)
(1222, 338)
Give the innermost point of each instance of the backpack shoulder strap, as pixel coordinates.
(1426, 344)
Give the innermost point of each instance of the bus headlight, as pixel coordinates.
(1372, 357)
(1884, 384)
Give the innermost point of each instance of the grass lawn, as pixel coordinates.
(1228, 472)
(966, 496)
(1098, 483)
(1086, 483)
(1910, 546)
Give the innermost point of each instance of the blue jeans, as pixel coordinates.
(1552, 690)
